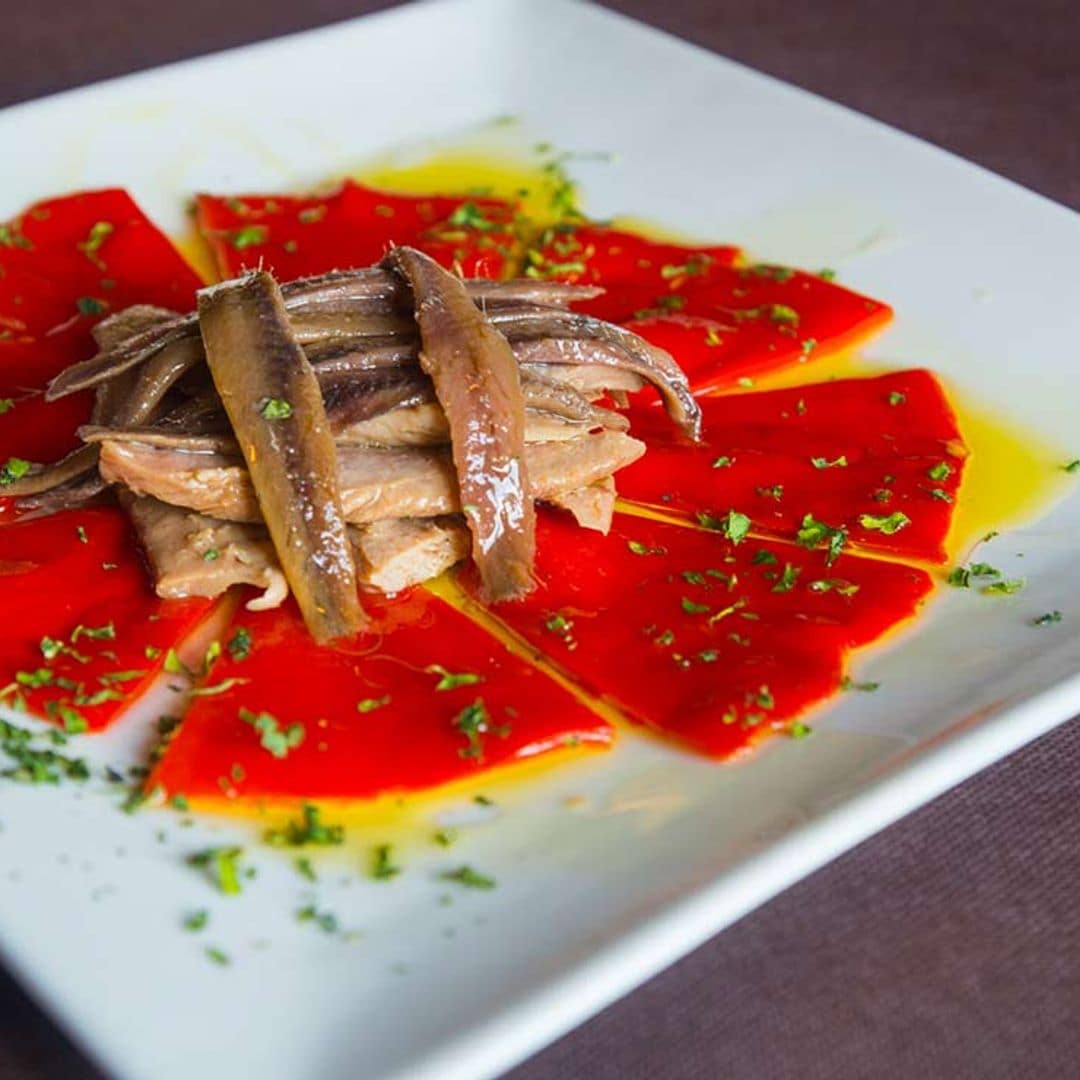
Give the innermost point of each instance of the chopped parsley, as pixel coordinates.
(470, 878)
(960, 576)
(1072, 466)
(99, 232)
(96, 633)
(90, 305)
(273, 738)
(848, 683)
(383, 867)
(941, 471)
(217, 956)
(276, 409)
(762, 557)
(813, 533)
(33, 764)
(825, 463)
(222, 867)
(733, 525)
(197, 920)
(370, 704)
(638, 548)
(1048, 619)
(310, 830)
(239, 645)
(695, 265)
(783, 315)
(887, 525)
(798, 730)
(824, 585)
(1004, 588)
(787, 579)
(474, 723)
(723, 462)
(692, 608)
(249, 236)
(6, 405)
(15, 468)
(897, 398)
(470, 216)
(450, 680)
(326, 921)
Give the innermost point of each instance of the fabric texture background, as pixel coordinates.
(948, 945)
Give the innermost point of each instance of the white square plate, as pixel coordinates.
(664, 849)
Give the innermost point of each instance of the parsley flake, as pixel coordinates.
(1048, 619)
(15, 468)
(273, 738)
(474, 723)
(276, 409)
(887, 525)
(787, 579)
(451, 681)
(249, 236)
(383, 867)
(813, 533)
(370, 704)
(1004, 588)
(309, 830)
(847, 683)
(197, 920)
(222, 867)
(470, 878)
(239, 645)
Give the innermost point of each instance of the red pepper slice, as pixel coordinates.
(721, 319)
(352, 227)
(853, 453)
(708, 641)
(65, 264)
(373, 717)
(90, 635)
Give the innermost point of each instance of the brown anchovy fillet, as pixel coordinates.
(276, 410)
(563, 337)
(477, 384)
(360, 294)
(124, 401)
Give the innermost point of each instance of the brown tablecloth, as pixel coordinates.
(948, 946)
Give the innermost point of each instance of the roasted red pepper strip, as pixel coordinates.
(372, 715)
(852, 453)
(87, 634)
(720, 319)
(354, 226)
(698, 638)
(64, 265)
